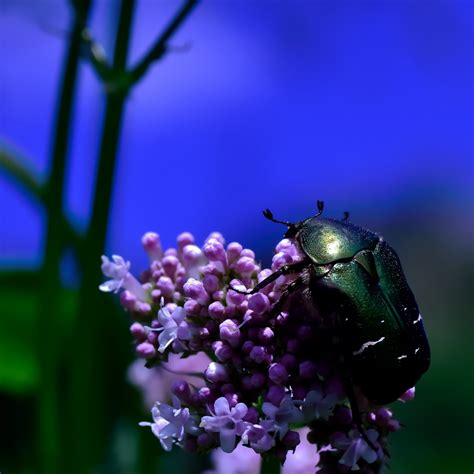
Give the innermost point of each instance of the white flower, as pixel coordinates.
(228, 422)
(118, 271)
(170, 423)
(173, 327)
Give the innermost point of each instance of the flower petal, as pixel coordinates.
(221, 407)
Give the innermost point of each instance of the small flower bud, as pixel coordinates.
(211, 283)
(183, 239)
(214, 251)
(216, 310)
(181, 389)
(170, 265)
(258, 354)
(248, 253)
(222, 350)
(230, 332)
(166, 286)
(233, 251)
(195, 289)
(152, 245)
(217, 236)
(146, 350)
(277, 373)
(215, 373)
(138, 332)
(259, 303)
(245, 266)
(192, 307)
(204, 394)
(408, 395)
(265, 335)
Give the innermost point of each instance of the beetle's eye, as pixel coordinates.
(367, 262)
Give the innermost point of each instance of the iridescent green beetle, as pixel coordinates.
(355, 280)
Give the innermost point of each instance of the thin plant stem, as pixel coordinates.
(20, 170)
(49, 419)
(158, 49)
(16, 168)
(88, 401)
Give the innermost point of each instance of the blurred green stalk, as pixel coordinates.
(88, 397)
(48, 330)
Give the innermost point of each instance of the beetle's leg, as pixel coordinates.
(355, 410)
(284, 270)
(295, 285)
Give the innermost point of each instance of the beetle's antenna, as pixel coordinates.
(320, 205)
(292, 228)
(269, 215)
(346, 216)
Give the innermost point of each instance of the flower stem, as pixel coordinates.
(87, 400)
(49, 420)
(270, 465)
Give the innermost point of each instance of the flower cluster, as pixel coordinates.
(271, 369)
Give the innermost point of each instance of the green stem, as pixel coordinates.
(49, 420)
(88, 400)
(270, 465)
(158, 48)
(17, 168)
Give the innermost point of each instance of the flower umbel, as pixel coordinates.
(265, 371)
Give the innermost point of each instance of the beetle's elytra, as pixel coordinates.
(355, 280)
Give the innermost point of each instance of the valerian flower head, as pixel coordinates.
(265, 369)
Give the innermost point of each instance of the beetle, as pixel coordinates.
(354, 279)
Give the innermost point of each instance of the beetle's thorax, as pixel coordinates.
(327, 241)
